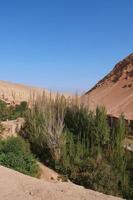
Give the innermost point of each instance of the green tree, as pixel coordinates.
(102, 129)
(119, 156)
(44, 126)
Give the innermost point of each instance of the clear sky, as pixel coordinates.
(64, 45)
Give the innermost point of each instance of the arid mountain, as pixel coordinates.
(16, 186)
(115, 91)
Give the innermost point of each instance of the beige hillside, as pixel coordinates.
(15, 93)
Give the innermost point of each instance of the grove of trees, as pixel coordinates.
(80, 145)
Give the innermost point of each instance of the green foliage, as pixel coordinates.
(118, 153)
(76, 119)
(82, 168)
(94, 157)
(128, 192)
(91, 127)
(99, 176)
(18, 110)
(102, 128)
(44, 127)
(4, 111)
(15, 153)
(10, 112)
(118, 136)
(80, 145)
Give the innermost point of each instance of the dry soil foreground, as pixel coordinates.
(16, 186)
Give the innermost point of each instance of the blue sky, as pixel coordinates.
(64, 45)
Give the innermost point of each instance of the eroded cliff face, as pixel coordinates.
(115, 91)
(15, 93)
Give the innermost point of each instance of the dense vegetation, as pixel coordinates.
(73, 140)
(80, 144)
(15, 153)
(8, 112)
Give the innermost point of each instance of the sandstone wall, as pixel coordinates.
(12, 127)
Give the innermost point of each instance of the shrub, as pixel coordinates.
(99, 176)
(89, 126)
(44, 126)
(15, 153)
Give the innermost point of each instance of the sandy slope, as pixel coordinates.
(115, 91)
(47, 174)
(16, 186)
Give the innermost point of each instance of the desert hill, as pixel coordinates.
(16, 186)
(115, 91)
(15, 93)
